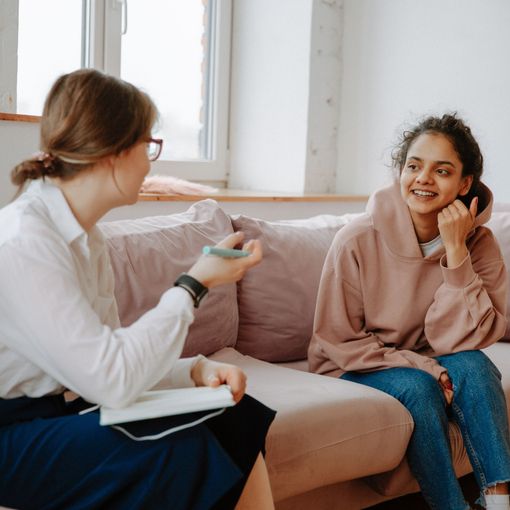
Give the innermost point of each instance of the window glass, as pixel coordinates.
(162, 52)
(49, 44)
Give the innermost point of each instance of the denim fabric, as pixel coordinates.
(478, 407)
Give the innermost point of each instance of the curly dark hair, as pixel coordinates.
(460, 137)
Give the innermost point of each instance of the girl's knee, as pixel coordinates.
(416, 389)
(471, 367)
(425, 401)
(420, 389)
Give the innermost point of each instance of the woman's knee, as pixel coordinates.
(411, 386)
(423, 389)
(424, 399)
(470, 367)
(416, 389)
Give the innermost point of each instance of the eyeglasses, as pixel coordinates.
(154, 147)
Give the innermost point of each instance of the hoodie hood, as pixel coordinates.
(392, 220)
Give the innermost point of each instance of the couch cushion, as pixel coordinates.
(500, 226)
(499, 353)
(277, 298)
(148, 254)
(326, 430)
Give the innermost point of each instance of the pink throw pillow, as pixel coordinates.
(148, 254)
(277, 298)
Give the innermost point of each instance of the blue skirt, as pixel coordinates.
(53, 458)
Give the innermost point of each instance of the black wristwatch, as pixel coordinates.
(195, 289)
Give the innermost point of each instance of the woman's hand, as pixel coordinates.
(447, 387)
(455, 222)
(211, 270)
(211, 373)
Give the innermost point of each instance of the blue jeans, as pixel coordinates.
(479, 409)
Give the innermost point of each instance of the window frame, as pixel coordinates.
(101, 32)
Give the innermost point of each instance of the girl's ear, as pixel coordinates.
(109, 161)
(465, 185)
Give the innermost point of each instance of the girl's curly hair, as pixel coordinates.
(461, 138)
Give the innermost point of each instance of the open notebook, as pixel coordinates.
(159, 403)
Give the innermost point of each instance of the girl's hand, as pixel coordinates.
(211, 373)
(447, 387)
(455, 222)
(211, 270)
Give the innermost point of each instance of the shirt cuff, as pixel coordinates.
(437, 370)
(460, 276)
(179, 302)
(180, 374)
(432, 367)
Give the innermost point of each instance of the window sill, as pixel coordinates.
(232, 195)
(20, 118)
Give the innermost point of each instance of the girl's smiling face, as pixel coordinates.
(431, 177)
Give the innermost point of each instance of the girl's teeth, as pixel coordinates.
(423, 193)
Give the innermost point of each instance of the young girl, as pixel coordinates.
(59, 329)
(410, 292)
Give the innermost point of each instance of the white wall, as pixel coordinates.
(8, 54)
(285, 95)
(406, 58)
(325, 81)
(269, 94)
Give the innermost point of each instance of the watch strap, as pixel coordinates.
(195, 289)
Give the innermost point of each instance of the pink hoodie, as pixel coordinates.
(381, 304)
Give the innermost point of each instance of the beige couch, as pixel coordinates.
(333, 444)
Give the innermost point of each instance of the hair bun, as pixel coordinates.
(29, 169)
(40, 165)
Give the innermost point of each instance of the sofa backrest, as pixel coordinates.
(500, 226)
(148, 254)
(277, 298)
(270, 314)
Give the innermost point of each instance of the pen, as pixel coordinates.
(224, 252)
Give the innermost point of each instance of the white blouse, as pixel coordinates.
(59, 324)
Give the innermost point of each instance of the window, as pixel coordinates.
(176, 50)
(41, 54)
(172, 75)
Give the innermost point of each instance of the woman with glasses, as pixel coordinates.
(60, 330)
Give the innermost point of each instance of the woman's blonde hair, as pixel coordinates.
(87, 116)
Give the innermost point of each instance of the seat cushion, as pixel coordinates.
(326, 430)
(148, 254)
